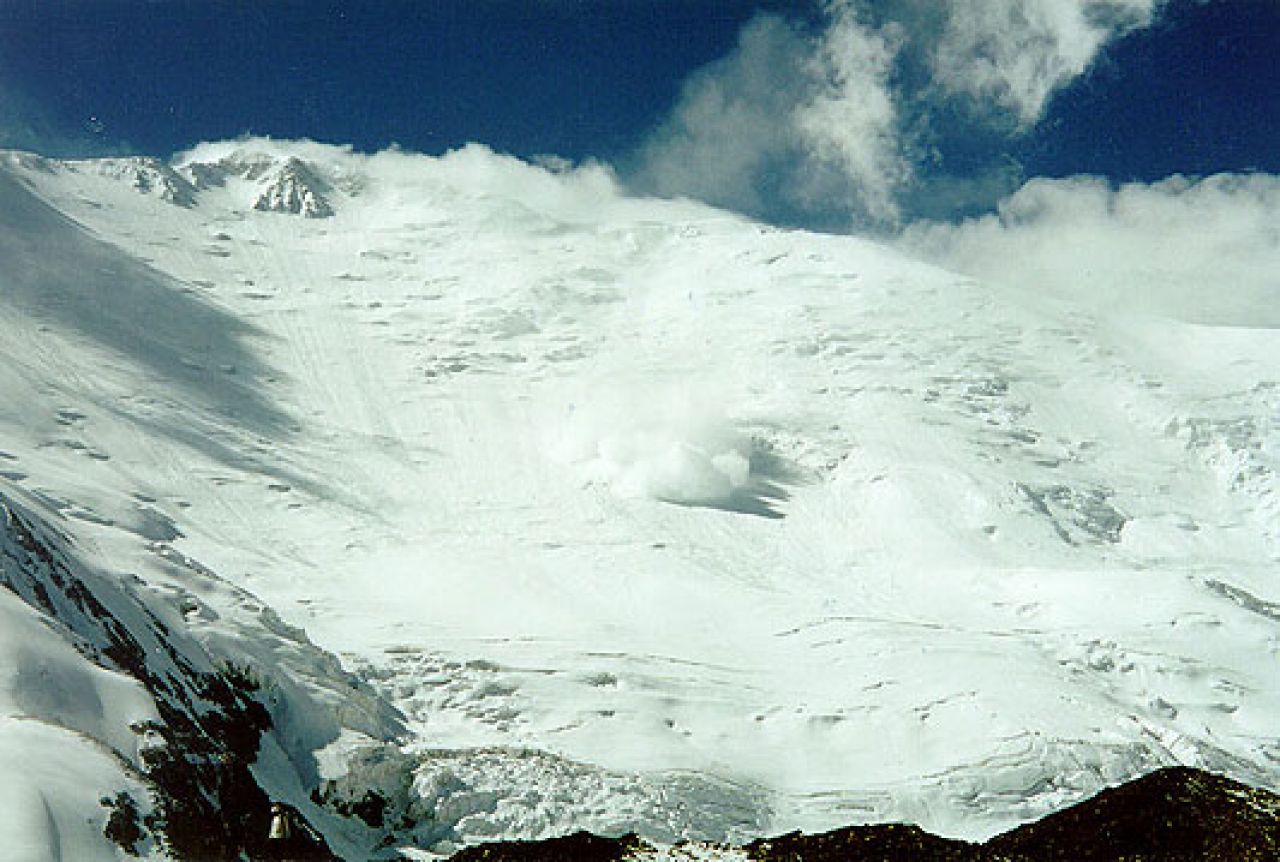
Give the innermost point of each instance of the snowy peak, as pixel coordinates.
(279, 183)
(29, 162)
(296, 189)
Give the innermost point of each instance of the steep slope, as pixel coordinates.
(65, 721)
(643, 516)
(166, 715)
(149, 706)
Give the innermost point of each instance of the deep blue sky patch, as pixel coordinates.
(571, 78)
(1197, 93)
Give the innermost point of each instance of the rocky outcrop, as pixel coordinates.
(148, 176)
(1172, 815)
(883, 841)
(195, 757)
(296, 189)
(578, 847)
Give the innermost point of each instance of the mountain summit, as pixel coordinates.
(295, 189)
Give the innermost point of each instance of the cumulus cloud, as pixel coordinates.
(1015, 54)
(849, 121)
(1205, 251)
(843, 119)
(805, 122)
(731, 127)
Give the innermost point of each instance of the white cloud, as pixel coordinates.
(1015, 54)
(732, 121)
(825, 124)
(1206, 251)
(807, 122)
(850, 119)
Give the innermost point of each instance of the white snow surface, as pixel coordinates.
(642, 515)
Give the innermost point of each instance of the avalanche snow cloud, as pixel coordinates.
(534, 506)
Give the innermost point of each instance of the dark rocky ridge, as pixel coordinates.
(206, 802)
(1171, 815)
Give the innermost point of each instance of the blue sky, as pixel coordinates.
(573, 78)
(826, 114)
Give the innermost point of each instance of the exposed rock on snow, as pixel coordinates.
(295, 188)
(1172, 815)
(147, 176)
(195, 755)
(578, 847)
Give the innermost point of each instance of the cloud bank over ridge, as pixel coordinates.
(901, 117)
(1205, 251)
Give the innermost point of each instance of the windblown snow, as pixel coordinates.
(619, 514)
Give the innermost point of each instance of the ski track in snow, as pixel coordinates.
(660, 510)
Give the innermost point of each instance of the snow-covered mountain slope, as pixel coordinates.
(642, 516)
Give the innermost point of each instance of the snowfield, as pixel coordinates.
(619, 514)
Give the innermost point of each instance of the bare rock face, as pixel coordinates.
(153, 177)
(884, 841)
(196, 756)
(578, 847)
(297, 190)
(1172, 815)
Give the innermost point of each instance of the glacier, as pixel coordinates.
(530, 506)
